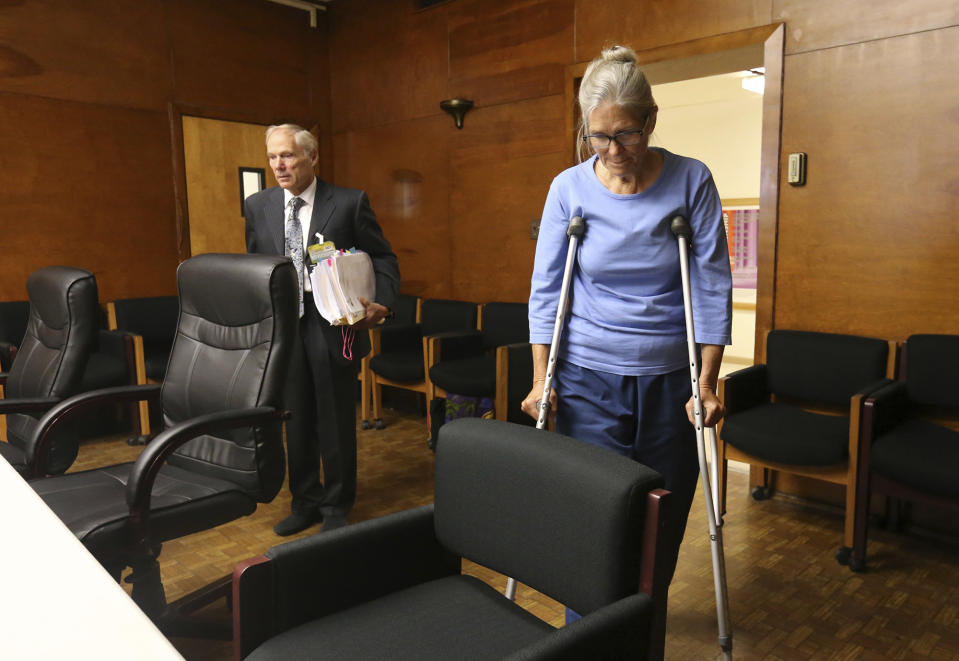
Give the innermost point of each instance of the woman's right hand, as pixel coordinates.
(530, 405)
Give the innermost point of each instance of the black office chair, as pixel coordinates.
(799, 412)
(13, 326)
(50, 362)
(477, 363)
(398, 357)
(571, 520)
(220, 452)
(909, 447)
(151, 322)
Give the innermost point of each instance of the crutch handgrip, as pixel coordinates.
(680, 227)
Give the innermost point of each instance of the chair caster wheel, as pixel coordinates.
(760, 493)
(365, 424)
(843, 555)
(138, 440)
(379, 424)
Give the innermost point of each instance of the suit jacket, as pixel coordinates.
(343, 216)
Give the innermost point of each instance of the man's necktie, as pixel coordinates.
(294, 243)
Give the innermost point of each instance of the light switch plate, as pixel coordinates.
(796, 172)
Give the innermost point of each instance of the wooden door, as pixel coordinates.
(220, 156)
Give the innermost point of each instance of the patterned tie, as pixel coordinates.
(294, 242)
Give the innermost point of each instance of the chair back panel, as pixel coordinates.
(441, 316)
(232, 350)
(505, 323)
(61, 334)
(931, 363)
(560, 515)
(154, 318)
(823, 367)
(404, 309)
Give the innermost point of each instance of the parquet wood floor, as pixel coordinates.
(789, 599)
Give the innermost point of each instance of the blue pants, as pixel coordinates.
(641, 417)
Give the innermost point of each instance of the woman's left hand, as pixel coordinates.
(713, 409)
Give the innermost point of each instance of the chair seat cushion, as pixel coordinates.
(14, 456)
(399, 367)
(919, 454)
(473, 377)
(458, 617)
(93, 506)
(789, 435)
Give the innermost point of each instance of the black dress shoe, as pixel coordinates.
(296, 522)
(334, 521)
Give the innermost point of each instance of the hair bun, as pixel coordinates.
(619, 53)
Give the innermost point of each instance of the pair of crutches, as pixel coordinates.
(683, 233)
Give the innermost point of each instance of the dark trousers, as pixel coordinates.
(641, 417)
(321, 393)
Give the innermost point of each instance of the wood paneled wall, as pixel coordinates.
(90, 100)
(866, 246)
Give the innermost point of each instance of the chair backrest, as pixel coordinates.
(929, 367)
(557, 514)
(13, 326)
(154, 318)
(231, 351)
(505, 323)
(441, 316)
(823, 367)
(404, 309)
(61, 334)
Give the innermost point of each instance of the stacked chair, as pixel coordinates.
(502, 499)
(799, 412)
(909, 447)
(51, 358)
(220, 452)
(494, 361)
(399, 357)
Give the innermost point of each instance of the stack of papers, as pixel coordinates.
(338, 284)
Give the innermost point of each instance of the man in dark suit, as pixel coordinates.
(321, 388)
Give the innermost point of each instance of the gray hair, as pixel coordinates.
(612, 78)
(306, 140)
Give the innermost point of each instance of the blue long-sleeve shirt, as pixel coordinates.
(626, 302)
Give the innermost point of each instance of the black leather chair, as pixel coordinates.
(220, 452)
(50, 362)
(398, 357)
(799, 412)
(406, 311)
(910, 434)
(569, 519)
(13, 326)
(478, 363)
(151, 322)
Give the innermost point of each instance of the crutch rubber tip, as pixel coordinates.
(680, 227)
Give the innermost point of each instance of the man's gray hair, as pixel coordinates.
(301, 136)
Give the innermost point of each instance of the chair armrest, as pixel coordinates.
(26, 404)
(884, 408)
(146, 467)
(399, 337)
(114, 343)
(63, 411)
(619, 630)
(371, 559)
(514, 379)
(455, 345)
(744, 389)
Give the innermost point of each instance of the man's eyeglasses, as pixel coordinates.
(601, 141)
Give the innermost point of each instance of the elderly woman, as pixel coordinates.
(622, 376)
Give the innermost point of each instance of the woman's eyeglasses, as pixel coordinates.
(601, 141)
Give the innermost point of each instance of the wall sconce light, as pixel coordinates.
(457, 108)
